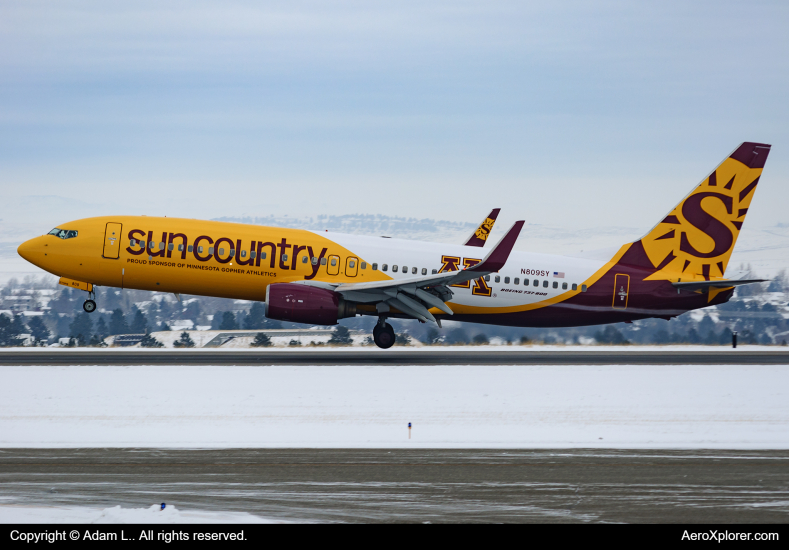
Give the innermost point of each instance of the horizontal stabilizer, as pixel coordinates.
(698, 285)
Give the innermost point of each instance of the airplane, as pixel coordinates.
(321, 277)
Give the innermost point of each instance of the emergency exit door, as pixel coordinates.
(351, 266)
(112, 241)
(621, 289)
(333, 268)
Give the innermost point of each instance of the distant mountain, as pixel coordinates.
(368, 224)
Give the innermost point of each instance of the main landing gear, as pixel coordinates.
(383, 334)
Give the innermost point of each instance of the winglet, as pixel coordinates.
(497, 257)
(481, 234)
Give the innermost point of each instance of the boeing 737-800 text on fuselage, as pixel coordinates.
(318, 278)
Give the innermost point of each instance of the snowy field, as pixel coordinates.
(17, 513)
(687, 406)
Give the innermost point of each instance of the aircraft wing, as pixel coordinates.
(481, 233)
(414, 296)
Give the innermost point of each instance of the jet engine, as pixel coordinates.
(306, 304)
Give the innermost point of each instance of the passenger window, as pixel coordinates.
(221, 251)
(394, 268)
(285, 258)
(536, 282)
(564, 286)
(384, 267)
(575, 286)
(364, 265)
(262, 255)
(314, 260)
(252, 254)
(487, 278)
(333, 261)
(243, 253)
(556, 284)
(583, 288)
(517, 281)
(132, 243)
(304, 259)
(191, 247)
(545, 284)
(171, 247)
(351, 264)
(413, 271)
(232, 252)
(497, 279)
(405, 269)
(375, 267)
(435, 272)
(152, 244)
(424, 271)
(210, 249)
(161, 246)
(506, 280)
(200, 249)
(180, 248)
(323, 261)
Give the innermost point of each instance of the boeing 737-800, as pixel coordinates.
(319, 278)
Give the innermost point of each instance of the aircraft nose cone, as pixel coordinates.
(31, 250)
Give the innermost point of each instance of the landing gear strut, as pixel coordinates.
(383, 334)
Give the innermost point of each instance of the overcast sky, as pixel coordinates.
(565, 113)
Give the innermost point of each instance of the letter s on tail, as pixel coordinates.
(695, 240)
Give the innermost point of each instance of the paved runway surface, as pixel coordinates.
(433, 356)
(412, 485)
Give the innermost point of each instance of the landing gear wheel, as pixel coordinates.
(384, 336)
(89, 306)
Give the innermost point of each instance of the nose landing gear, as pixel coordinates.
(90, 305)
(383, 334)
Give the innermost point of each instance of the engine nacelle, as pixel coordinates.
(306, 304)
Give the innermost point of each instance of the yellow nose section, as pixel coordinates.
(32, 250)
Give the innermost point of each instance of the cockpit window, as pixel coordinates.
(63, 233)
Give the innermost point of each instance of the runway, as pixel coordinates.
(413, 356)
(373, 485)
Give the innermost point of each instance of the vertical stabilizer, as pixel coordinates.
(695, 240)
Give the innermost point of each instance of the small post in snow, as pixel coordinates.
(409, 430)
(734, 339)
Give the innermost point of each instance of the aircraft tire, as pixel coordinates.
(384, 337)
(89, 306)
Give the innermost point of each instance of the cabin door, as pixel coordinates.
(621, 289)
(112, 241)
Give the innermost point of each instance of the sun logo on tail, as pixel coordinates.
(484, 230)
(697, 237)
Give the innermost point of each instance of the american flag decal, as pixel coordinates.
(558, 274)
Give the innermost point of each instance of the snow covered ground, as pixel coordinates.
(687, 406)
(15, 513)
